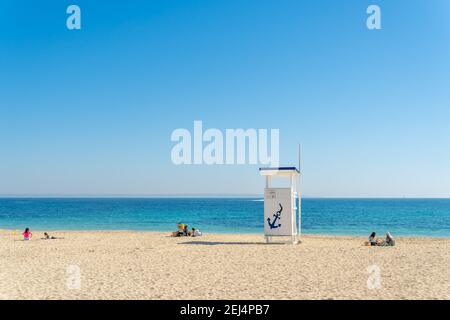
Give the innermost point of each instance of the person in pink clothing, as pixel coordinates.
(27, 234)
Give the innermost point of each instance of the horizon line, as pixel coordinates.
(175, 196)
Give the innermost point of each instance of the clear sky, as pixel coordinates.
(91, 111)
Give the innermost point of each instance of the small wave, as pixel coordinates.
(257, 200)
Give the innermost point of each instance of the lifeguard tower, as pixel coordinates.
(280, 204)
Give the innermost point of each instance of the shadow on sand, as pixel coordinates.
(215, 243)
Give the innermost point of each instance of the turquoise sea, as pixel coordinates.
(415, 217)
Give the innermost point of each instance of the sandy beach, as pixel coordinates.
(149, 265)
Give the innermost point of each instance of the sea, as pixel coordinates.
(403, 217)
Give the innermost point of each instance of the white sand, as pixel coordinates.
(144, 265)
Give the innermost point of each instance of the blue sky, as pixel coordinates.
(91, 111)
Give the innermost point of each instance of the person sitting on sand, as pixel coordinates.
(389, 242)
(27, 234)
(196, 232)
(191, 233)
(180, 231)
(372, 239)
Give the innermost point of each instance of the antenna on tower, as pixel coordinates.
(299, 158)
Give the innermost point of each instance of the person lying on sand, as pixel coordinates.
(47, 237)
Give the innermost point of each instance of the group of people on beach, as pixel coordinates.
(27, 235)
(183, 231)
(374, 241)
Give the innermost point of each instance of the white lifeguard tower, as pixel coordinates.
(280, 204)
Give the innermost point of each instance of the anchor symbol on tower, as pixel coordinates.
(276, 216)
